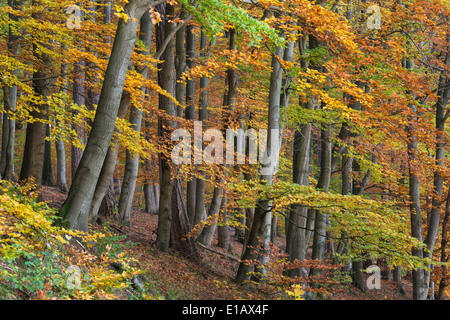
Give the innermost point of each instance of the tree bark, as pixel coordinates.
(323, 184)
(75, 210)
(420, 281)
(61, 167)
(78, 98)
(132, 161)
(207, 233)
(47, 172)
(180, 225)
(166, 183)
(109, 165)
(262, 217)
(223, 233)
(130, 175)
(9, 102)
(33, 155)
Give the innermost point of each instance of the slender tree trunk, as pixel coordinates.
(181, 47)
(443, 283)
(167, 183)
(92, 95)
(109, 165)
(151, 193)
(9, 99)
(8, 133)
(230, 97)
(47, 172)
(61, 173)
(262, 217)
(33, 156)
(438, 183)
(420, 281)
(132, 161)
(130, 175)
(61, 167)
(200, 183)
(299, 227)
(223, 233)
(319, 239)
(180, 226)
(5, 130)
(78, 98)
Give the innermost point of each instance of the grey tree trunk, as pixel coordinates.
(224, 240)
(181, 64)
(300, 220)
(33, 156)
(109, 165)
(421, 278)
(420, 281)
(180, 226)
(9, 100)
(208, 231)
(262, 217)
(150, 198)
(166, 183)
(8, 133)
(151, 193)
(91, 93)
(323, 184)
(223, 231)
(47, 171)
(61, 167)
(130, 175)
(78, 98)
(75, 210)
(61, 172)
(200, 183)
(444, 256)
(132, 161)
(298, 231)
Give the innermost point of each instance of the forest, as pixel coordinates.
(224, 149)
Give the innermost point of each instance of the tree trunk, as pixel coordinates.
(181, 96)
(200, 183)
(438, 183)
(9, 102)
(61, 167)
(420, 281)
(47, 172)
(319, 239)
(298, 229)
(130, 175)
(443, 283)
(8, 133)
(223, 233)
(262, 217)
(109, 164)
(75, 210)
(207, 233)
(132, 161)
(33, 155)
(78, 98)
(180, 225)
(166, 183)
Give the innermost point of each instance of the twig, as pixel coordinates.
(218, 252)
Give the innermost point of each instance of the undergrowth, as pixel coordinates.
(39, 260)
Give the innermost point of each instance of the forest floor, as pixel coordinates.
(172, 276)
